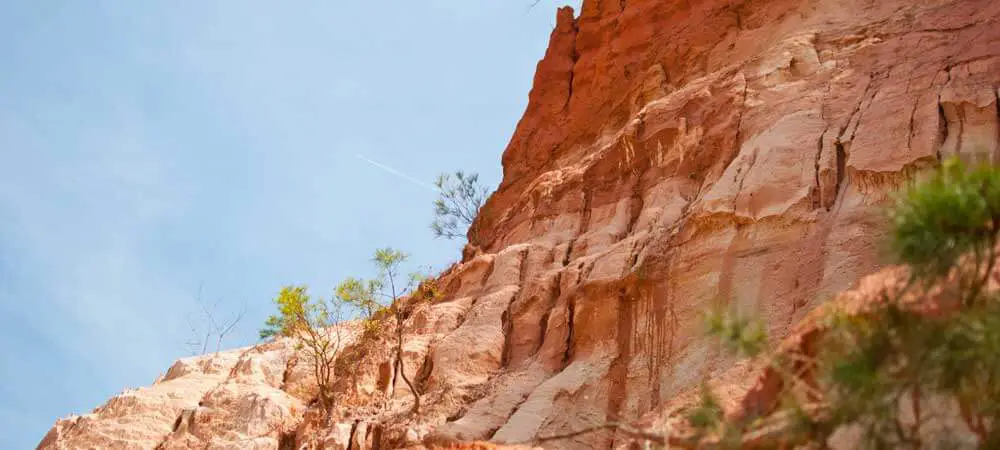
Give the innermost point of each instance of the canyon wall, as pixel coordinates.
(675, 156)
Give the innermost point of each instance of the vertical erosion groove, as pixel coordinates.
(505, 323)
(739, 121)
(395, 375)
(588, 199)
(351, 437)
(581, 227)
(618, 372)
(375, 432)
(575, 56)
(635, 205)
(657, 336)
(570, 313)
(554, 292)
(177, 423)
(507, 318)
(909, 134)
(942, 130)
(289, 367)
(841, 167)
(426, 368)
(818, 199)
(569, 252)
(486, 276)
(996, 103)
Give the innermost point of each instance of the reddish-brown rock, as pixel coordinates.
(674, 155)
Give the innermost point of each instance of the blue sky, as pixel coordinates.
(152, 149)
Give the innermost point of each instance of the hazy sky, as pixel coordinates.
(151, 148)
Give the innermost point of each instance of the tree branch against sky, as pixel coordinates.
(209, 324)
(459, 199)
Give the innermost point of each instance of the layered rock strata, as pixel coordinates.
(674, 156)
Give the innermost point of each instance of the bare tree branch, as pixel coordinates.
(211, 326)
(221, 332)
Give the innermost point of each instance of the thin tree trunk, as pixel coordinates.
(400, 365)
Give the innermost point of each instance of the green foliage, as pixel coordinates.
(296, 311)
(740, 334)
(372, 326)
(872, 361)
(313, 323)
(378, 297)
(428, 290)
(272, 327)
(707, 418)
(360, 294)
(460, 197)
(374, 296)
(707, 415)
(387, 261)
(954, 213)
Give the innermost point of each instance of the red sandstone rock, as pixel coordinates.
(674, 155)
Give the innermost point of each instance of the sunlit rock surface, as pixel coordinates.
(674, 156)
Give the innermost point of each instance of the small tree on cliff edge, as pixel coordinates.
(390, 287)
(314, 323)
(460, 197)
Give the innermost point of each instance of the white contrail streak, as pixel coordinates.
(396, 173)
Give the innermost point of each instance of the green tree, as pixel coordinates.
(315, 325)
(388, 260)
(361, 294)
(386, 290)
(459, 199)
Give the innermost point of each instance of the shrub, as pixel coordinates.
(460, 197)
(383, 294)
(428, 290)
(314, 323)
(363, 295)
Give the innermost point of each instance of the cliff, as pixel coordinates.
(674, 156)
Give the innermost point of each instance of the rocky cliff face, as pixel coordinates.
(674, 156)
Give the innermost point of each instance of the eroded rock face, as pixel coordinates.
(674, 156)
(230, 399)
(680, 155)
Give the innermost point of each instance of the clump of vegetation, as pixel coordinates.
(954, 215)
(314, 323)
(382, 294)
(460, 197)
(742, 335)
(363, 295)
(931, 343)
(707, 416)
(428, 290)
